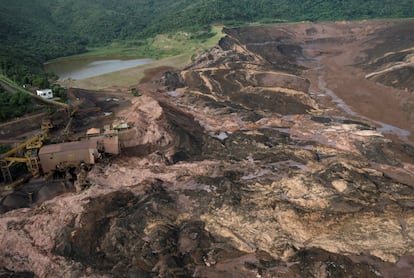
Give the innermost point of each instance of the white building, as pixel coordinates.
(46, 93)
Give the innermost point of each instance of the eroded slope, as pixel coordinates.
(241, 166)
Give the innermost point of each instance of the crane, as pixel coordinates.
(26, 152)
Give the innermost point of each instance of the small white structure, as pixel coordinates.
(46, 93)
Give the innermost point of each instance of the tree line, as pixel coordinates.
(14, 104)
(35, 31)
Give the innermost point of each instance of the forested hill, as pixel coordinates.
(33, 31)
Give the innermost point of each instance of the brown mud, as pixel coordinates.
(285, 151)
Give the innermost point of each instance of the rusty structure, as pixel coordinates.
(45, 160)
(108, 139)
(26, 152)
(71, 154)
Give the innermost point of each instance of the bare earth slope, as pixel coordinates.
(285, 151)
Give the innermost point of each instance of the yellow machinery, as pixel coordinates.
(26, 153)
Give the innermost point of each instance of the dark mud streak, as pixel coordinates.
(267, 198)
(189, 134)
(122, 234)
(144, 235)
(7, 273)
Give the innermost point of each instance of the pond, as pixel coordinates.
(84, 68)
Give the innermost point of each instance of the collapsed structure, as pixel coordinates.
(71, 154)
(46, 159)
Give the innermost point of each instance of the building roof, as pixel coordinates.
(120, 125)
(93, 131)
(70, 146)
(44, 91)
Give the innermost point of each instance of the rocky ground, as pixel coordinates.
(285, 151)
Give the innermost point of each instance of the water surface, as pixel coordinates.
(383, 127)
(84, 68)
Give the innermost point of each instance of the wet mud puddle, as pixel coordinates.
(382, 127)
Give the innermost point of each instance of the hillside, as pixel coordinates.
(271, 155)
(34, 31)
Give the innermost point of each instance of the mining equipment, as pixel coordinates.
(67, 158)
(27, 153)
(71, 159)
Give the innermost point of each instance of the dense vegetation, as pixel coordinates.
(14, 104)
(32, 32)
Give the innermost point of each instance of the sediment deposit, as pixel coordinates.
(285, 151)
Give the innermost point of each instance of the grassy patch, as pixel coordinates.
(171, 50)
(158, 47)
(129, 77)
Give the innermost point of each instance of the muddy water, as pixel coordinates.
(84, 68)
(326, 86)
(383, 127)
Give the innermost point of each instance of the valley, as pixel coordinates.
(283, 151)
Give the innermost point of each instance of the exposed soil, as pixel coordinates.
(285, 151)
(154, 74)
(364, 48)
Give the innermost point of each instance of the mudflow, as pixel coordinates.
(284, 151)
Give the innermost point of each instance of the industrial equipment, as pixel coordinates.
(26, 152)
(70, 159)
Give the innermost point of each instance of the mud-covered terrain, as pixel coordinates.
(285, 151)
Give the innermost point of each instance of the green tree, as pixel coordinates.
(135, 92)
(40, 82)
(14, 105)
(60, 92)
